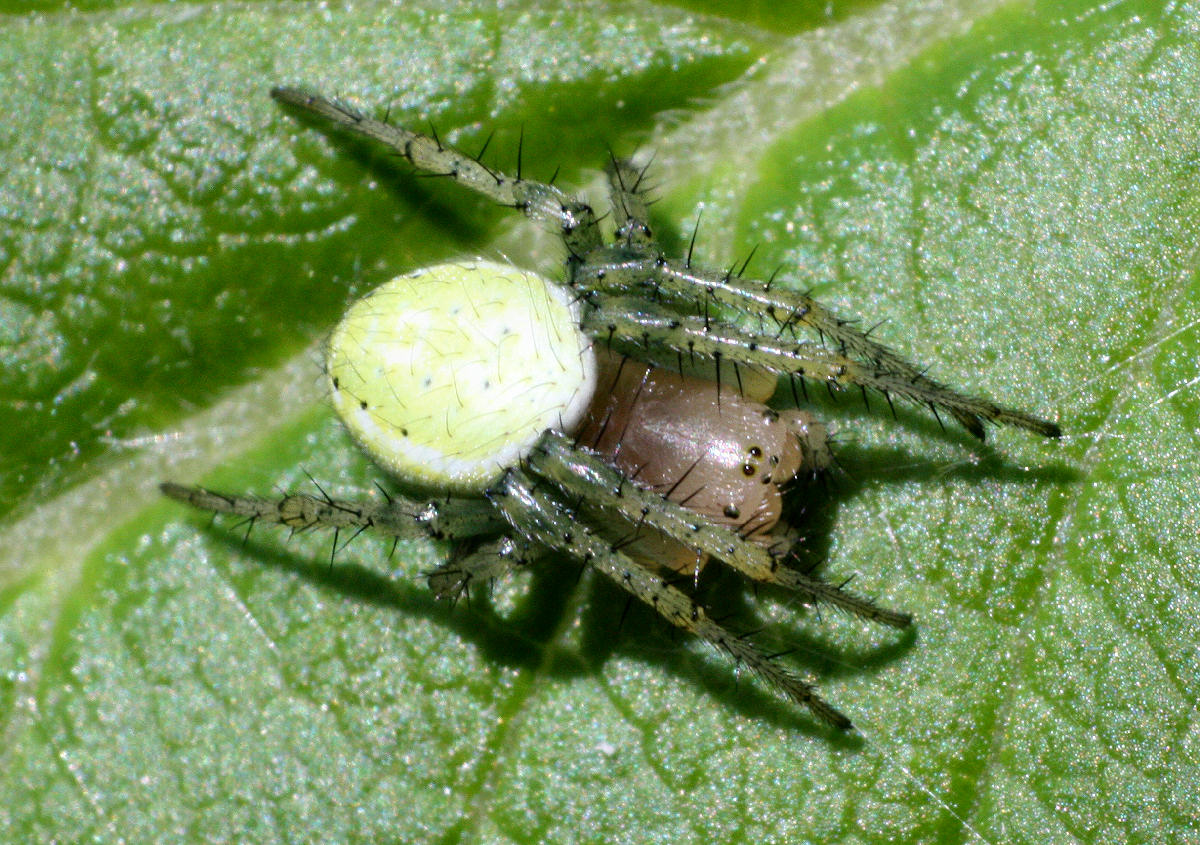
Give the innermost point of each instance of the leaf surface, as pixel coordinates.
(1011, 187)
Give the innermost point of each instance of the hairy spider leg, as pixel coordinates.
(449, 518)
(576, 470)
(539, 201)
(488, 561)
(462, 521)
(536, 512)
(695, 295)
(654, 333)
(627, 192)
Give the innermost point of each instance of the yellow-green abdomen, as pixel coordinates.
(450, 374)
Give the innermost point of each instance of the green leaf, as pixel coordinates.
(1012, 187)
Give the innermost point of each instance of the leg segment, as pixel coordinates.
(781, 313)
(578, 473)
(541, 517)
(462, 521)
(627, 190)
(537, 200)
(451, 519)
(632, 327)
(485, 563)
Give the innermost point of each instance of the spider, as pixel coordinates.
(615, 417)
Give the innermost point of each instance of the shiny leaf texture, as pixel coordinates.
(1010, 186)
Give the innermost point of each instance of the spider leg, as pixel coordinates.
(398, 516)
(781, 312)
(633, 327)
(576, 470)
(539, 515)
(539, 201)
(628, 190)
(484, 563)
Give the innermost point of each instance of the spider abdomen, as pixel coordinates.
(450, 374)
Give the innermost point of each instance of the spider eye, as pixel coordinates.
(753, 454)
(448, 375)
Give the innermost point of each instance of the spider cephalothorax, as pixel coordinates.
(614, 416)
